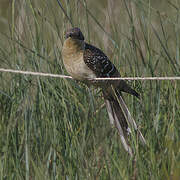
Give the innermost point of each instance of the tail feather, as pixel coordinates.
(121, 118)
(115, 121)
(130, 119)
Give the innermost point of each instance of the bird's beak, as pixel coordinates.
(67, 35)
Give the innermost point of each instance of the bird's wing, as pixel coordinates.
(98, 62)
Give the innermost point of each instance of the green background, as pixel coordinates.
(54, 128)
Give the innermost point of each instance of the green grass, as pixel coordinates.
(53, 128)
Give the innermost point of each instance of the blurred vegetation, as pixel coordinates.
(54, 128)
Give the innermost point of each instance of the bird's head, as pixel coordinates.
(75, 33)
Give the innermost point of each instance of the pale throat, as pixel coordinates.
(72, 53)
(73, 46)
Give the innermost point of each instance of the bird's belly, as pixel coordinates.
(79, 70)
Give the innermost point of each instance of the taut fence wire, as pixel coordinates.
(69, 77)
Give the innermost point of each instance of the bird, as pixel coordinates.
(85, 62)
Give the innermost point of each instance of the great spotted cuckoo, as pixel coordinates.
(84, 62)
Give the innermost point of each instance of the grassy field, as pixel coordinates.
(54, 128)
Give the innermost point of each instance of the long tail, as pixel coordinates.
(121, 118)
